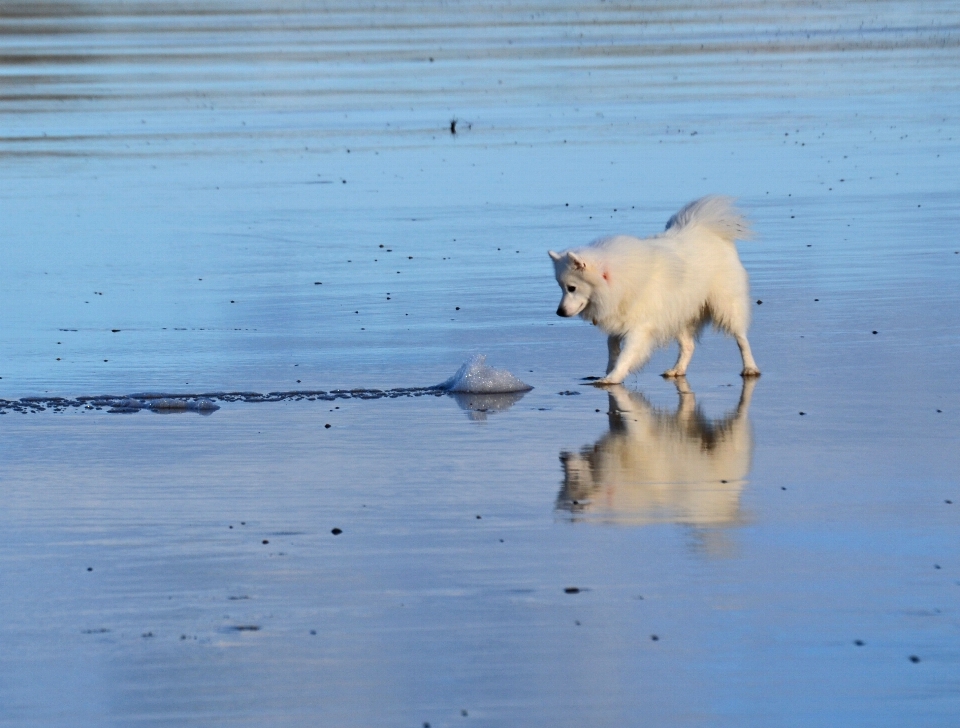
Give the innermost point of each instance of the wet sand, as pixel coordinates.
(194, 201)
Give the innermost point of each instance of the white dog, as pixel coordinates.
(645, 293)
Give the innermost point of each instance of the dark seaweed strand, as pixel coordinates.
(200, 402)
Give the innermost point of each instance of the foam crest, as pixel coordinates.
(475, 377)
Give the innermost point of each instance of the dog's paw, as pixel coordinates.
(750, 372)
(673, 374)
(604, 381)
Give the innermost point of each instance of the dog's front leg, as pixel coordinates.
(749, 365)
(635, 349)
(613, 351)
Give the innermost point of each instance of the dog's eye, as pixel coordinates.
(571, 289)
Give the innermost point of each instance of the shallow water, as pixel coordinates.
(193, 198)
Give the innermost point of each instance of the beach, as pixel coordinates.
(342, 204)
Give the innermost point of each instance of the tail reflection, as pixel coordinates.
(661, 467)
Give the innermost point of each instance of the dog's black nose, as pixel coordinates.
(560, 311)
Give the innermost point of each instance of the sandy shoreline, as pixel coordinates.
(210, 202)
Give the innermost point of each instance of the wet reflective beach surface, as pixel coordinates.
(309, 214)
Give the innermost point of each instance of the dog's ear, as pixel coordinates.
(577, 261)
(554, 255)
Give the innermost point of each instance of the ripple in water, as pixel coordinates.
(473, 378)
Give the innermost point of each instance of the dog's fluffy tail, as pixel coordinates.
(715, 212)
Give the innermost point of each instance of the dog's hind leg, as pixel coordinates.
(613, 350)
(687, 341)
(635, 350)
(749, 365)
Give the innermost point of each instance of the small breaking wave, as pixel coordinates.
(473, 378)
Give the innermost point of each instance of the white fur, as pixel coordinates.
(645, 293)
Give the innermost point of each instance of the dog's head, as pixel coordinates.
(574, 276)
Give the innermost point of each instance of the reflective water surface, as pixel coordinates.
(297, 197)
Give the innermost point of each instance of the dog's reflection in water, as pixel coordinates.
(655, 466)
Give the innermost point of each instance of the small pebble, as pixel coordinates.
(572, 590)
(265, 541)
(759, 301)
(858, 643)
(336, 531)
(914, 658)
(654, 638)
